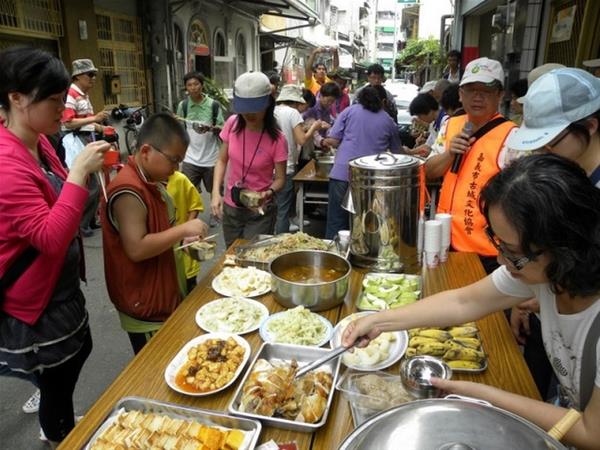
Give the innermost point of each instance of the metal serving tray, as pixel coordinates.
(419, 278)
(262, 240)
(484, 366)
(303, 355)
(202, 416)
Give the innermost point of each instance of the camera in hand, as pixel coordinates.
(236, 195)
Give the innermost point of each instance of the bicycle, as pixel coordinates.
(134, 119)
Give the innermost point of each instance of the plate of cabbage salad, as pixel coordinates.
(297, 326)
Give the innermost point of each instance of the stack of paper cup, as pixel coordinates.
(446, 220)
(433, 242)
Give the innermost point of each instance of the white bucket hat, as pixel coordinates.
(82, 66)
(483, 70)
(291, 93)
(251, 93)
(553, 102)
(428, 87)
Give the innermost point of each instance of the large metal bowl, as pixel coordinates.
(443, 424)
(323, 165)
(317, 296)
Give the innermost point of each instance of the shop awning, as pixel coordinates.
(291, 9)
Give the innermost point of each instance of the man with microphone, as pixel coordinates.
(471, 150)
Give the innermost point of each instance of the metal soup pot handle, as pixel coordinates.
(467, 399)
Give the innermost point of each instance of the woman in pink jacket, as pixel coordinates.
(44, 332)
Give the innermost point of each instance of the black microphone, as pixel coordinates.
(467, 129)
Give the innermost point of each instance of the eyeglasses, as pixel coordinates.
(172, 159)
(518, 262)
(484, 93)
(91, 74)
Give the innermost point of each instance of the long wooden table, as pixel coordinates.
(144, 376)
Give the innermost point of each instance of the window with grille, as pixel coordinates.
(240, 55)
(121, 53)
(41, 17)
(219, 44)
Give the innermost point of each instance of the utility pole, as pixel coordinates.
(395, 48)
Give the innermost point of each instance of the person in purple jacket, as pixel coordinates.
(360, 130)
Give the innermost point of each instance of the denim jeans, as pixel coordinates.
(284, 200)
(337, 217)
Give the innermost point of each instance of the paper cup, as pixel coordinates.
(446, 220)
(444, 253)
(433, 236)
(432, 259)
(344, 236)
(111, 157)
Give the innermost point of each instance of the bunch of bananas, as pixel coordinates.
(459, 347)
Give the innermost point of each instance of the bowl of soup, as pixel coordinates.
(317, 280)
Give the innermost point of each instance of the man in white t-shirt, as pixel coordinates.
(204, 121)
(291, 123)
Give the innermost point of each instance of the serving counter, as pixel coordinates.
(144, 376)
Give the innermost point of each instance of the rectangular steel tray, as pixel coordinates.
(303, 355)
(485, 363)
(203, 416)
(387, 275)
(260, 241)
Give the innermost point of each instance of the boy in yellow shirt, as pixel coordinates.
(188, 204)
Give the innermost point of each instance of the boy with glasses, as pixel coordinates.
(145, 278)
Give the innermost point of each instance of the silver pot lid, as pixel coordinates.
(385, 161)
(443, 424)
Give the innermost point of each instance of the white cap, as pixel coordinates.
(291, 93)
(542, 70)
(553, 102)
(483, 70)
(251, 92)
(428, 87)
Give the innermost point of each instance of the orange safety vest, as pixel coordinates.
(459, 194)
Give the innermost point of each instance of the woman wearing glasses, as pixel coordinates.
(561, 116)
(543, 217)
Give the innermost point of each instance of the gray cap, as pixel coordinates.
(83, 66)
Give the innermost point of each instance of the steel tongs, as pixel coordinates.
(322, 360)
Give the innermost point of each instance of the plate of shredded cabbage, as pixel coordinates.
(242, 281)
(235, 315)
(297, 326)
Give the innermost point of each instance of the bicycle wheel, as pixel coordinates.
(130, 140)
